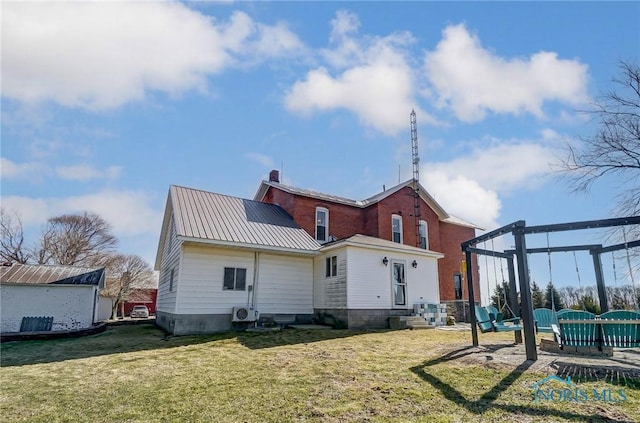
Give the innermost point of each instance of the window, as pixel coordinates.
(424, 235)
(171, 280)
(235, 279)
(322, 224)
(331, 266)
(457, 285)
(396, 228)
(399, 285)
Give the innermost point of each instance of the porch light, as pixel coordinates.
(385, 261)
(414, 264)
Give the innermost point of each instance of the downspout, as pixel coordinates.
(256, 263)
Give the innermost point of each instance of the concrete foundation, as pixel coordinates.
(458, 309)
(357, 318)
(197, 324)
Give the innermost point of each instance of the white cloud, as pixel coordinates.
(469, 186)
(32, 211)
(472, 81)
(84, 172)
(12, 170)
(129, 213)
(374, 81)
(101, 55)
(464, 197)
(502, 167)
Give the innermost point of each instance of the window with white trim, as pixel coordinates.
(424, 235)
(396, 228)
(331, 266)
(322, 224)
(171, 280)
(235, 279)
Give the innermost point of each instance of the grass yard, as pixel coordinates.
(136, 374)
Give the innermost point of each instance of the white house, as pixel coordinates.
(62, 297)
(221, 259)
(217, 252)
(361, 281)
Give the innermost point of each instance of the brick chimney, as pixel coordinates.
(274, 176)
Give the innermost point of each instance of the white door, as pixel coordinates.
(398, 284)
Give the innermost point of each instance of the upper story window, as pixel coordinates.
(396, 228)
(322, 224)
(424, 235)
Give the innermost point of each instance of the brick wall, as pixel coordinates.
(375, 220)
(451, 236)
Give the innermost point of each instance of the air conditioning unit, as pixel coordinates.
(244, 314)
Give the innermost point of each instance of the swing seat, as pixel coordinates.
(487, 324)
(623, 335)
(577, 334)
(497, 316)
(544, 319)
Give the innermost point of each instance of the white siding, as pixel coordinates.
(422, 282)
(202, 276)
(72, 307)
(330, 292)
(170, 260)
(369, 281)
(285, 284)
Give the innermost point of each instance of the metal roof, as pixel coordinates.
(59, 275)
(437, 208)
(379, 243)
(207, 216)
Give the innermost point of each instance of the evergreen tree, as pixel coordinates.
(537, 296)
(588, 303)
(552, 298)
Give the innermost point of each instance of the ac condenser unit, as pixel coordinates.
(244, 314)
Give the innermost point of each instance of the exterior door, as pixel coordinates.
(398, 285)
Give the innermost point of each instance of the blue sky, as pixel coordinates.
(105, 105)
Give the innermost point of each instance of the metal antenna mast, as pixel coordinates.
(416, 174)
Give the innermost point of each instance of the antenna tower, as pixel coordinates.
(416, 174)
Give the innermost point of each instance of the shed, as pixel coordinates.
(64, 296)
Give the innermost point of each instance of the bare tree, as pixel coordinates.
(126, 274)
(614, 149)
(12, 238)
(75, 239)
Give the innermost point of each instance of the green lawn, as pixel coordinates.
(136, 374)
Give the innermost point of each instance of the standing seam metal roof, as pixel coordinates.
(216, 217)
(41, 274)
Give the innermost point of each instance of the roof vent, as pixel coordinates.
(274, 176)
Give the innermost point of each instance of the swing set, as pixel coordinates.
(519, 230)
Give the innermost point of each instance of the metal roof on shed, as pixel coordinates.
(40, 274)
(202, 215)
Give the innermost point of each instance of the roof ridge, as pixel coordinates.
(222, 195)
